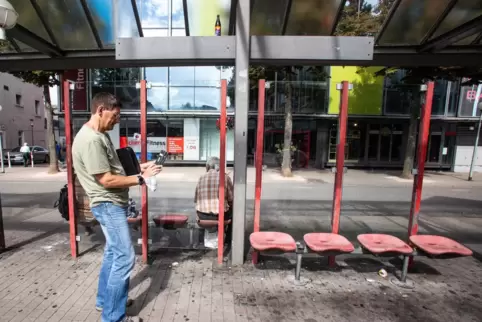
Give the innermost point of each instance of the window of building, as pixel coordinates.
(36, 106)
(5, 87)
(18, 99)
(439, 97)
(177, 15)
(453, 98)
(45, 123)
(468, 95)
(181, 98)
(21, 138)
(154, 14)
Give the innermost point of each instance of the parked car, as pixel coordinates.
(40, 155)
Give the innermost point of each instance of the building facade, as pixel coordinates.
(21, 114)
(183, 106)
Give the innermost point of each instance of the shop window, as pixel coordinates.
(439, 97)
(355, 138)
(121, 82)
(209, 140)
(181, 76)
(157, 99)
(453, 98)
(207, 98)
(157, 76)
(181, 98)
(468, 95)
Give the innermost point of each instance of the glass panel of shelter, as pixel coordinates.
(462, 12)
(28, 18)
(411, 21)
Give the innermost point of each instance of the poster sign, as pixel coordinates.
(79, 94)
(191, 148)
(175, 145)
(154, 144)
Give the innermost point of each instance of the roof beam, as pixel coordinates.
(286, 16)
(39, 13)
(338, 16)
(90, 19)
(468, 29)
(186, 19)
(393, 9)
(232, 18)
(137, 17)
(34, 41)
(439, 21)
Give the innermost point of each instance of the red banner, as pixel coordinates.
(175, 145)
(79, 98)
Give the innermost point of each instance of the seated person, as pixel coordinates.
(206, 197)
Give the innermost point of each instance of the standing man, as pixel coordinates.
(25, 150)
(102, 176)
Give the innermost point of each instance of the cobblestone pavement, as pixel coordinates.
(40, 282)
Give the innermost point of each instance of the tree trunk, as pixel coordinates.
(49, 115)
(410, 147)
(286, 163)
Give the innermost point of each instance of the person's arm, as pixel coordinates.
(229, 190)
(97, 164)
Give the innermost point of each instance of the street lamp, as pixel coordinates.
(477, 105)
(8, 18)
(31, 126)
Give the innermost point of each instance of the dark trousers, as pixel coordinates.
(26, 158)
(227, 215)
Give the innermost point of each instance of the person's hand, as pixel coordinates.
(152, 170)
(146, 165)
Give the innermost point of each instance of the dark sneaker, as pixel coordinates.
(129, 303)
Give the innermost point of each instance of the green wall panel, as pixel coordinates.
(365, 98)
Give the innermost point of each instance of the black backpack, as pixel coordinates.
(62, 204)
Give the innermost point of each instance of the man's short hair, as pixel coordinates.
(106, 100)
(212, 163)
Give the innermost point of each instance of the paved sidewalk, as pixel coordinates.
(40, 282)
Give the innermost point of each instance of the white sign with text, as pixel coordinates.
(191, 139)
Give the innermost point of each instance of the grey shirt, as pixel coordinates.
(93, 153)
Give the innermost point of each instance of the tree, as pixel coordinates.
(45, 80)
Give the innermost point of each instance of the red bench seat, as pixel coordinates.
(382, 244)
(328, 242)
(438, 245)
(268, 240)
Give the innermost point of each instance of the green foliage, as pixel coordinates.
(38, 77)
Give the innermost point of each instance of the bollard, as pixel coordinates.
(31, 158)
(2, 232)
(8, 157)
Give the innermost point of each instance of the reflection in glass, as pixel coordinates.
(207, 98)
(202, 16)
(396, 153)
(27, 17)
(181, 98)
(466, 41)
(68, 23)
(209, 140)
(126, 26)
(157, 76)
(207, 75)
(439, 97)
(462, 12)
(157, 99)
(177, 17)
(312, 17)
(155, 32)
(181, 76)
(454, 98)
(467, 99)
(153, 13)
(411, 21)
(120, 82)
(102, 12)
(267, 17)
(178, 32)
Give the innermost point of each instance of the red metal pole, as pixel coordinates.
(144, 208)
(222, 170)
(259, 161)
(340, 162)
(423, 133)
(70, 168)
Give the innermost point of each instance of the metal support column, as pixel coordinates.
(344, 88)
(421, 156)
(70, 168)
(242, 52)
(222, 170)
(259, 161)
(144, 206)
(2, 229)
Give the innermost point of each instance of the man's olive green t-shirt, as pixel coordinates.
(93, 153)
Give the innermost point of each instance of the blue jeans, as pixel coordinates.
(118, 262)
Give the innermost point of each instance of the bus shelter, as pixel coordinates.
(50, 35)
